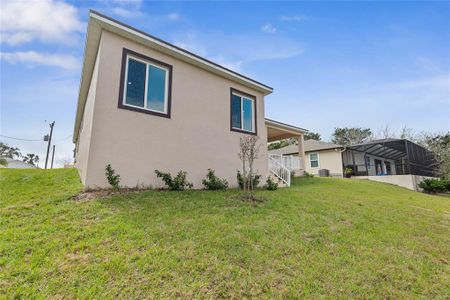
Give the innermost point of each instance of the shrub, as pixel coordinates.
(348, 172)
(3, 162)
(212, 182)
(435, 185)
(256, 178)
(112, 177)
(271, 185)
(307, 175)
(178, 183)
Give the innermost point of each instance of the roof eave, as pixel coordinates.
(98, 22)
(286, 126)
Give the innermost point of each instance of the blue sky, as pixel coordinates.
(331, 64)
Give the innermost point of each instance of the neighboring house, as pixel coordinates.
(17, 164)
(395, 161)
(145, 104)
(318, 155)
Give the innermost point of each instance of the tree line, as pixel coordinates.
(14, 153)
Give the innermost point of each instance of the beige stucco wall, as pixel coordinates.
(328, 159)
(85, 131)
(410, 182)
(195, 138)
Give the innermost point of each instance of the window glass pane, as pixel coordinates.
(135, 84)
(314, 164)
(156, 88)
(248, 112)
(313, 156)
(235, 111)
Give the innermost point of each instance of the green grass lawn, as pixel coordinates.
(321, 237)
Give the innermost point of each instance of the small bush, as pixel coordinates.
(112, 177)
(178, 183)
(348, 172)
(212, 182)
(307, 175)
(435, 185)
(3, 162)
(256, 179)
(271, 185)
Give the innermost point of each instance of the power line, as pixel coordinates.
(20, 139)
(67, 137)
(30, 140)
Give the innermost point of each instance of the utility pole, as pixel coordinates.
(49, 142)
(53, 156)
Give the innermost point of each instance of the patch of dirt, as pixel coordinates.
(250, 198)
(347, 223)
(105, 193)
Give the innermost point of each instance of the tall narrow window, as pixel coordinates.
(314, 160)
(236, 116)
(242, 112)
(146, 84)
(135, 83)
(156, 90)
(247, 113)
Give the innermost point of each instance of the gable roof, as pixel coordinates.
(308, 145)
(98, 22)
(313, 145)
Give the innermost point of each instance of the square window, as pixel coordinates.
(146, 84)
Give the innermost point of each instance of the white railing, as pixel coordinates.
(290, 162)
(280, 171)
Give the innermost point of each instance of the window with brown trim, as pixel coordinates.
(242, 112)
(145, 84)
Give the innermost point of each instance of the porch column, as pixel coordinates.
(301, 151)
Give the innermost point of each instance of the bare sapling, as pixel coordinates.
(249, 150)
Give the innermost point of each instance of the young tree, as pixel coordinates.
(351, 136)
(31, 159)
(386, 133)
(249, 150)
(409, 134)
(312, 136)
(8, 151)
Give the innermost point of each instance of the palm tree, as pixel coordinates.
(31, 159)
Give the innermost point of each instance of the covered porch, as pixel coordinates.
(281, 166)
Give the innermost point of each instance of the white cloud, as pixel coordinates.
(35, 58)
(126, 13)
(128, 2)
(296, 18)
(44, 20)
(268, 28)
(173, 16)
(221, 48)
